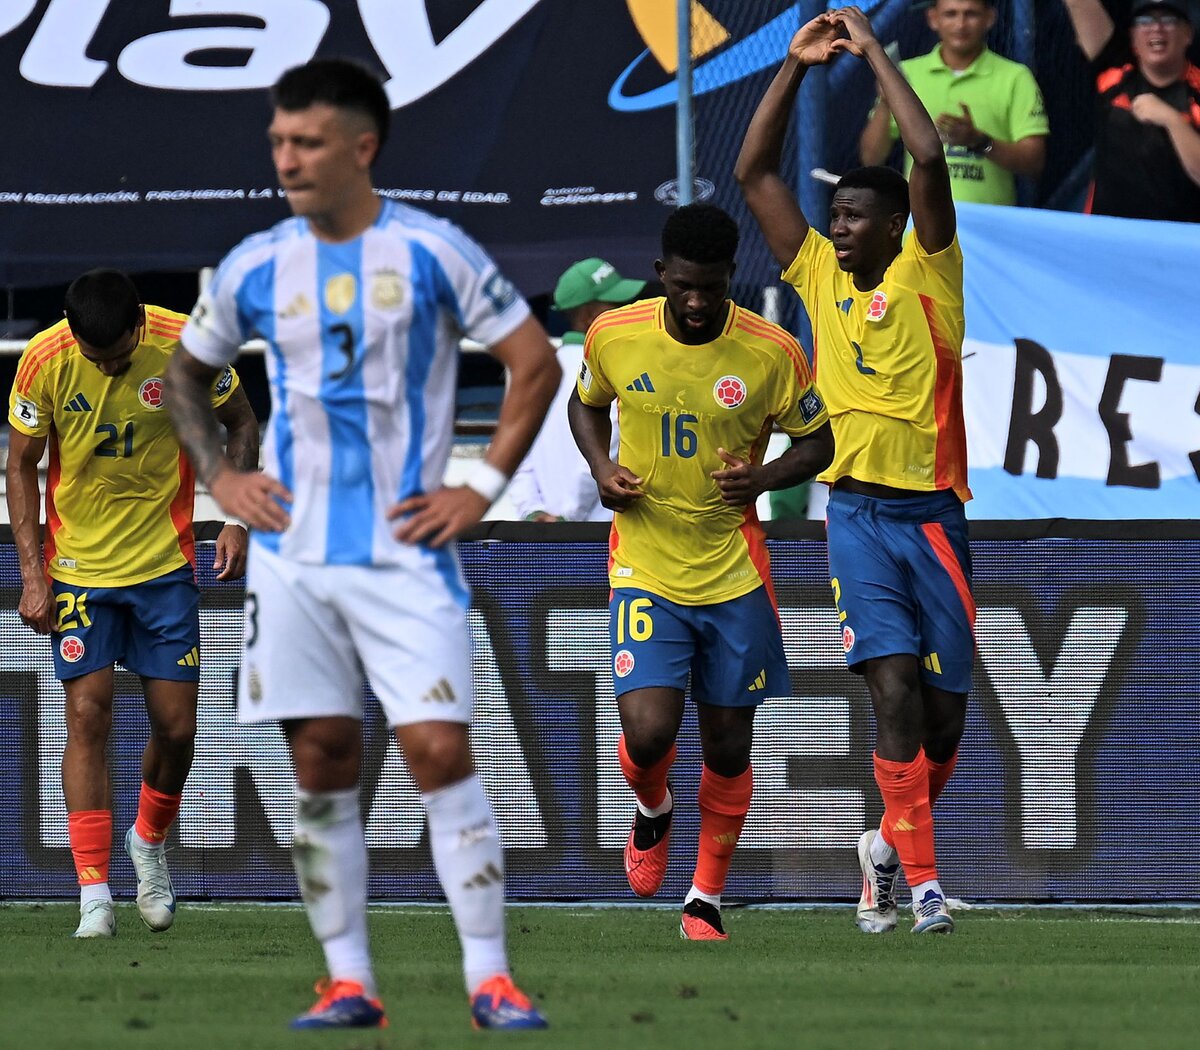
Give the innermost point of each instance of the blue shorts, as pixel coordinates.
(901, 577)
(152, 628)
(733, 650)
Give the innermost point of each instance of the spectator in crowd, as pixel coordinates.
(553, 482)
(1147, 163)
(988, 110)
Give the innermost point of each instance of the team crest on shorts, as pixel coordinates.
(623, 663)
(150, 393)
(729, 391)
(71, 649)
(847, 638)
(877, 307)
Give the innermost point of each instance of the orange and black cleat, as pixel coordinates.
(646, 852)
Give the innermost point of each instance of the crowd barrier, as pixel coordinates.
(1076, 777)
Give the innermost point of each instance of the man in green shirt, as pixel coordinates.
(988, 110)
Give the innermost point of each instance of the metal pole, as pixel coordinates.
(684, 145)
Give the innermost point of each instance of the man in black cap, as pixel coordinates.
(1148, 126)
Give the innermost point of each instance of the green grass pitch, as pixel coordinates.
(232, 976)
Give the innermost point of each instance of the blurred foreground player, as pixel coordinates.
(362, 303)
(116, 583)
(700, 382)
(887, 318)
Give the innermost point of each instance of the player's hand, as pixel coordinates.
(252, 497)
(738, 482)
(229, 562)
(958, 130)
(543, 517)
(859, 36)
(618, 486)
(813, 44)
(436, 518)
(1150, 109)
(36, 606)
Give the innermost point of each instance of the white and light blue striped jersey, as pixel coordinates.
(362, 357)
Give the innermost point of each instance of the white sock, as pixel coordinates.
(665, 806)
(466, 851)
(883, 855)
(94, 891)
(923, 888)
(330, 857)
(694, 894)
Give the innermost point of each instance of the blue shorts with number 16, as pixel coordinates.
(733, 650)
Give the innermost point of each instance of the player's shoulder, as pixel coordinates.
(756, 332)
(625, 322)
(439, 236)
(45, 353)
(257, 250)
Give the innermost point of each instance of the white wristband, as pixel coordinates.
(488, 481)
(238, 522)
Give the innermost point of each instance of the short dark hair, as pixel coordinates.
(102, 306)
(886, 183)
(700, 233)
(336, 82)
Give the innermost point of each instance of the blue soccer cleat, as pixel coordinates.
(931, 914)
(342, 1004)
(498, 1003)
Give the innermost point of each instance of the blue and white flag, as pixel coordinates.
(1081, 371)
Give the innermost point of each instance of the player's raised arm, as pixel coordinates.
(770, 199)
(241, 492)
(1093, 25)
(929, 182)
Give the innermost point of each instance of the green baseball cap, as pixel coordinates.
(591, 281)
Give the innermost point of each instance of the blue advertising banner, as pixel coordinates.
(1081, 371)
(1076, 779)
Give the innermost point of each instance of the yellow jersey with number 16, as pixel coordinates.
(119, 490)
(677, 404)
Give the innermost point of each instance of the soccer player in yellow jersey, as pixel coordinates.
(114, 580)
(699, 383)
(887, 318)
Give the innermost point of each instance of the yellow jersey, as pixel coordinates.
(889, 362)
(119, 490)
(676, 405)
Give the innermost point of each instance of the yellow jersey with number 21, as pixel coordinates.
(119, 490)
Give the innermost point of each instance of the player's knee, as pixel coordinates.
(649, 744)
(89, 721)
(438, 759)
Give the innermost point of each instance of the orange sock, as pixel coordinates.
(939, 773)
(907, 816)
(650, 783)
(156, 813)
(724, 803)
(90, 834)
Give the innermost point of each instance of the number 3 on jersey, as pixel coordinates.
(633, 619)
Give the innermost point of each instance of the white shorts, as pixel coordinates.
(313, 631)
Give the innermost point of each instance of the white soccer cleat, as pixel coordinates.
(96, 919)
(155, 894)
(931, 915)
(877, 905)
